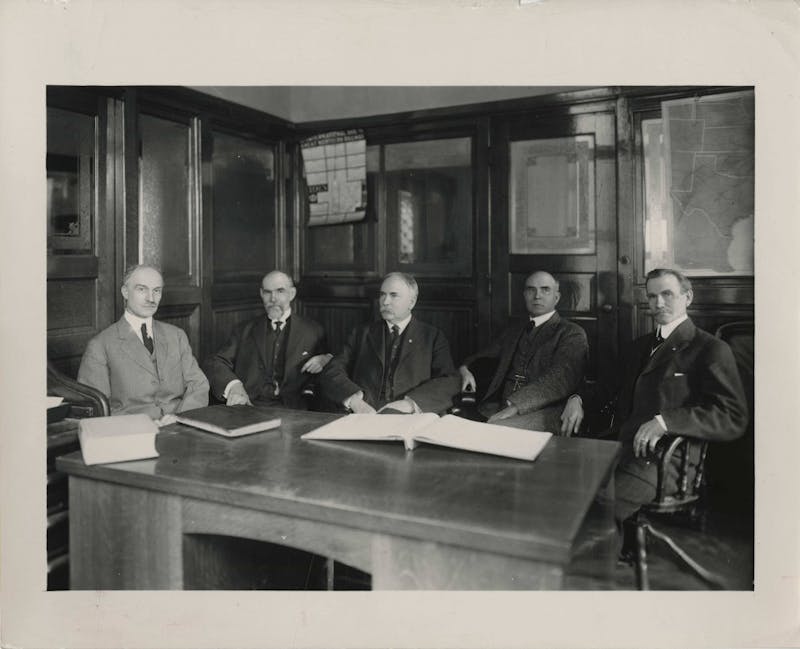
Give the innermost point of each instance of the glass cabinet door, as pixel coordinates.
(244, 208)
(168, 199)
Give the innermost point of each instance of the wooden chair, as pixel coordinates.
(465, 403)
(80, 401)
(690, 499)
(83, 400)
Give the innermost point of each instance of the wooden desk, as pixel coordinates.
(434, 518)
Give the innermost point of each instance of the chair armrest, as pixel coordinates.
(668, 447)
(84, 400)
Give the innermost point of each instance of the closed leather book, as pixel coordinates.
(229, 421)
(119, 438)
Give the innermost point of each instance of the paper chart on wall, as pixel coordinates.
(335, 168)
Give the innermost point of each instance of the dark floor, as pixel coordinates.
(724, 546)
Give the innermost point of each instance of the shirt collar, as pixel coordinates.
(400, 325)
(667, 329)
(283, 319)
(136, 323)
(539, 320)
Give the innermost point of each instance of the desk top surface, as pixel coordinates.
(527, 509)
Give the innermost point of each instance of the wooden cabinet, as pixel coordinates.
(62, 438)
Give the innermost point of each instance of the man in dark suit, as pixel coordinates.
(679, 380)
(541, 363)
(398, 364)
(269, 359)
(143, 365)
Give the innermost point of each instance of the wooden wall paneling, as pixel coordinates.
(185, 316)
(483, 232)
(706, 316)
(457, 321)
(225, 318)
(628, 218)
(132, 150)
(80, 287)
(337, 317)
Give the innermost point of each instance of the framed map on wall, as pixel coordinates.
(699, 173)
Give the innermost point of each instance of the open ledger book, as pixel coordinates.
(445, 431)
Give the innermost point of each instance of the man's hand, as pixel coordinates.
(359, 406)
(401, 406)
(646, 438)
(315, 364)
(467, 379)
(572, 416)
(237, 396)
(166, 420)
(505, 413)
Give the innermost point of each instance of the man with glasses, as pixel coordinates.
(540, 363)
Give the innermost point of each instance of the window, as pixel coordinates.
(419, 212)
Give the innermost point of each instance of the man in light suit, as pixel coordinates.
(541, 362)
(143, 365)
(678, 380)
(270, 359)
(399, 364)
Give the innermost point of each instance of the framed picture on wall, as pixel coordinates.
(551, 196)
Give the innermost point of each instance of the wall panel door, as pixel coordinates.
(554, 209)
(81, 217)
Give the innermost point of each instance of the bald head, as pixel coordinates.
(541, 293)
(277, 293)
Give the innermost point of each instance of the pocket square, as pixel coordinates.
(679, 374)
(304, 354)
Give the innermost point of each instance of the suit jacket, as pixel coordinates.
(118, 364)
(244, 357)
(555, 370)
(424, 373)
(691, 380)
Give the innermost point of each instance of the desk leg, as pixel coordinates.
(123, 537)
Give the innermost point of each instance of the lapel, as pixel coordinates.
(133, 347)
(259, 335)
(162, 346)
(375, 338)
(677, 342)
(508, 351)
(545, 332)
(293, 343)
(410, 341)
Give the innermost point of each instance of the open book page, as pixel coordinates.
(484, 438)
(374, 428)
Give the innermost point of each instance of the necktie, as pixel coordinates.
(531, 326)
(657, 343)
(277, 372)
(147, 340)
(395, 342)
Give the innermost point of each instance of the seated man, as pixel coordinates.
(271, 358)
(679, 380)
(399, 364)
(143, 365)
(541, 363)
